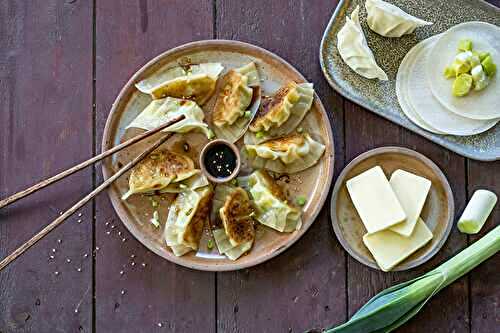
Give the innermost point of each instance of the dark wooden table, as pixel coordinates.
(62, 64)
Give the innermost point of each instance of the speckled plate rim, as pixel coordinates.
(122, 212)
(360, 101)
(395, 150)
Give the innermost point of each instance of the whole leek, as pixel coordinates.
(396, 305)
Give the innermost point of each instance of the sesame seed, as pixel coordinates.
(97, 248)
(76, 310)
(107, 223)
(160, 324)
(59, 241)
(124, 240)
(143, 264)
(78, 269)
(119, 233)
(51, 257)
(79, 221)
(132, 256)
(108, 232)
(132, 263)
(68, 260)
(123, 292)
(53, 250)
(85, 255)
(79, 214)
(112, 227)
(122, 272)
(56, 273)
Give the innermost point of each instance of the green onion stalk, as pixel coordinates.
(396, 305)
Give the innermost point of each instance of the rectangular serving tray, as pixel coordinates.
(380, 96)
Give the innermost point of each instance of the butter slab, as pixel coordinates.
(411, 191)
(374, 200)
(390, 248)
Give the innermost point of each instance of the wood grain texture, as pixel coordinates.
(305, 286)
(485, 280)
(448, 311)
(46, 126)
(128, 34)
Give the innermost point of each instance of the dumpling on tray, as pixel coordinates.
(186, 217)
(237, 234)
(192, 183)
(158, 170)
(237, 102)
(160, 111)
(272, 207)
(289, 154)
(391, 21)
(195, 82)
(281, 113)
(354, 49)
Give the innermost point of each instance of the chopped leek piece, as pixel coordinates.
(477, 211)
(489, 66)
(465, 45)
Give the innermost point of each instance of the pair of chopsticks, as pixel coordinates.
(10, 258)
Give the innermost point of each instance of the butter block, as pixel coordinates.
(374, 200)
(390, 248)
(411, 191)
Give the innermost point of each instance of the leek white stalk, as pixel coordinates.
(396, 305)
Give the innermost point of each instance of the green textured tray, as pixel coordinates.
(380, 97)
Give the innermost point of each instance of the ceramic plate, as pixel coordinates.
(380, 97)
(136, 212)
(437, 213)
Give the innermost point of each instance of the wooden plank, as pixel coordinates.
(128, 34)
(45, 127)
(305, 286)
(484, 281)
(448, 311)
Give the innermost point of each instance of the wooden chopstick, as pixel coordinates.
(59, 176)
(10, 258)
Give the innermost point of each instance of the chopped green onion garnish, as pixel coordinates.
(210, 244)
(301, 200)
(234, 182)
(300, 130)
(211, 134)
(248, 114)
(155, 220)
(259, 135)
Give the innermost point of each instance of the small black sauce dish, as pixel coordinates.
(220, 161)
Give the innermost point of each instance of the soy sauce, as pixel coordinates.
(220, 161)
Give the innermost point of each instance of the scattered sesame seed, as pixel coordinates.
(51, 257)
(112, 227)
(79, 214)
(56, 273)
(59, 241)
(122, 272)
(78, 269)
(132, 263)
(79, 221)
(143, 264)
(107, 223)
(160, 324)
(53, 250)
(76, 310)
(60, 213)
(123, 292)
(68, 260)
(132, 256)
(97, 248)
(124, 240)
(119, 233)
(108, 232)
(85, 255)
